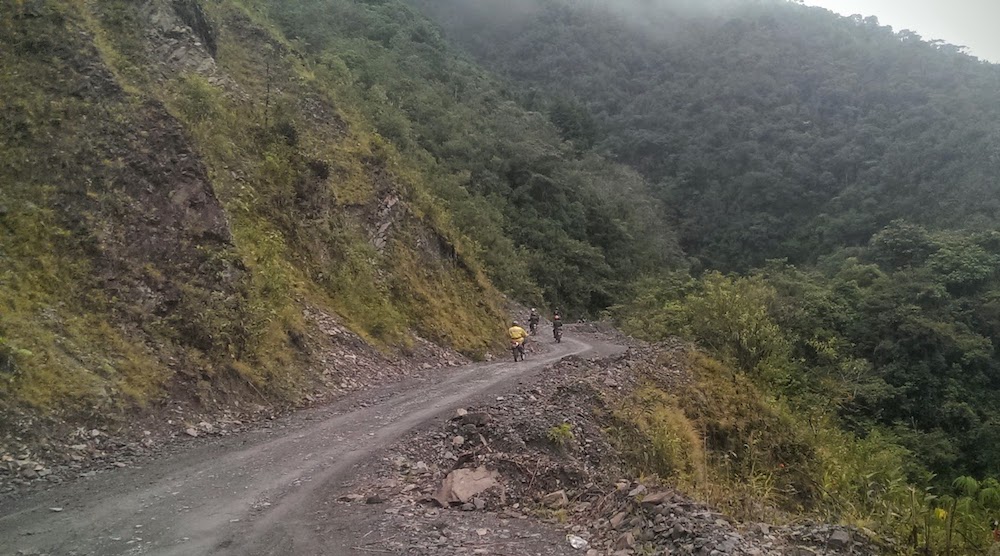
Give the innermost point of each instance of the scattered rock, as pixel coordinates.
(641, 489)
(625, 541)
(655, 499)
(555, 500)
(505, 464)
(840, 539)
(617, 519)
(461, 485)
(579, 543)
(477, 419)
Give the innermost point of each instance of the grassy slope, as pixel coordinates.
(159, 227)
(58, 151)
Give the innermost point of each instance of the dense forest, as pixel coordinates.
(768, 129)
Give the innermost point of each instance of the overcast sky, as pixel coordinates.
(972, 23)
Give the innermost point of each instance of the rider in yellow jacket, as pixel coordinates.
(517, 334)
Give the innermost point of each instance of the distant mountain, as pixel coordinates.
(770, 129)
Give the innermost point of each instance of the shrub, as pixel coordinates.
(561, 435)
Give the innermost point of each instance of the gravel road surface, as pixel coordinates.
(258, 493)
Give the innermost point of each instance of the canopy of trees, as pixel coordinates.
(769, 129)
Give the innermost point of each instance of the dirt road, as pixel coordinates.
(255, 493)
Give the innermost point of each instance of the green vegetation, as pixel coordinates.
(561, 435)
(768, 129)
(40, 276)
(885, 352)
(659, 439)
(725, 438)
(60, 346)
(187, 202)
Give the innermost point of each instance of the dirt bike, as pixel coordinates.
(517, 348)
(557, 334)
(533, 328)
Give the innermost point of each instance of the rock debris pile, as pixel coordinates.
(346, 363)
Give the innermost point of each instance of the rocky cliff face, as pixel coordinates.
(177, 187)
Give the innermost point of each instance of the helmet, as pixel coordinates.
(533, 310)
(514, 323)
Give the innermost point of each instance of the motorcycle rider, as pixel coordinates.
(517, 334)
(533, 321)
(557, 326)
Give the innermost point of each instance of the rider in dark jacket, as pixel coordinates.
(533, 320)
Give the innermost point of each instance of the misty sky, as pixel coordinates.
(972, 23)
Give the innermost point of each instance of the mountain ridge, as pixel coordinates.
(770, 130)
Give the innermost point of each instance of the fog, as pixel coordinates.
(971, 23)
(655, 16)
